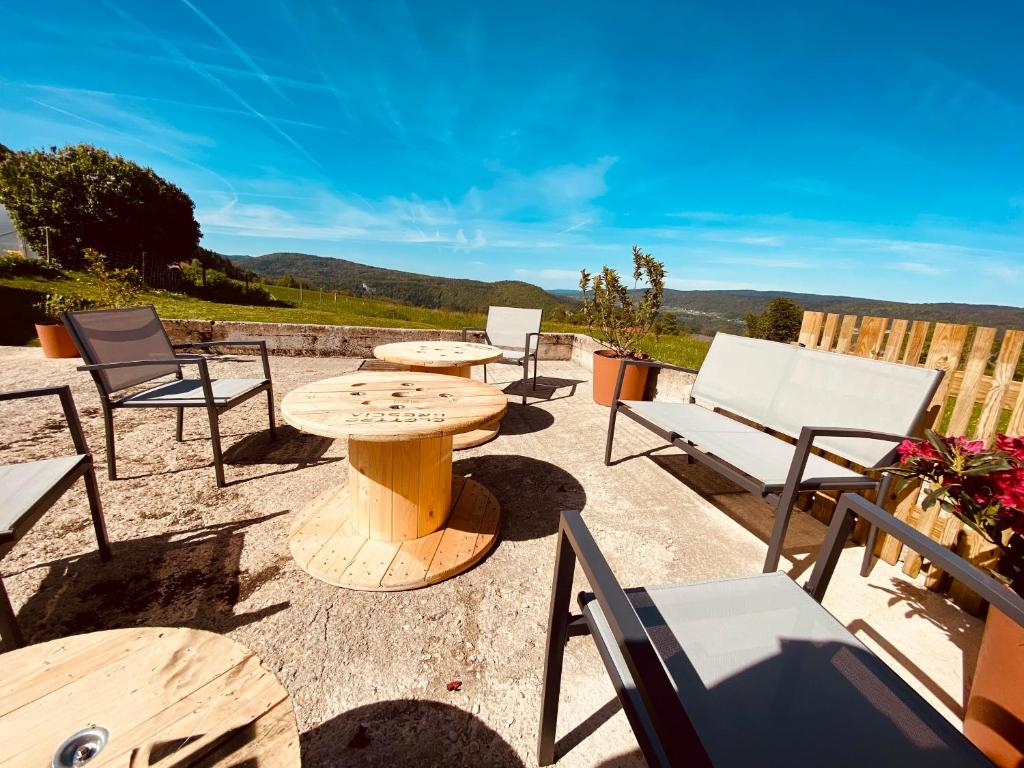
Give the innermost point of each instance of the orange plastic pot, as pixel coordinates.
(995, 710)
(55, 340)
(606, 373)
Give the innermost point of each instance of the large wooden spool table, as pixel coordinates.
(452, 358)
(402, 521)
(156, 696)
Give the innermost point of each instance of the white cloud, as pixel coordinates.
(753, 261)
(917, 267)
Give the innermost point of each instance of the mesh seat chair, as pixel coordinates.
(517, 331)
(753, 671)
(29, 489)
(123, 348)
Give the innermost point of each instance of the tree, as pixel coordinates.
(667, 324)
(780, 321)
(89, 198)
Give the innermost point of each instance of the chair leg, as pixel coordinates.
(96, 510)
(612, 415)
(270, 412)
(485, 374)
(558, 635)
(782, 514)
(179, 427)
(108, 428)
(526, 375)
(218, 458)
(535, 373)
(10, 632)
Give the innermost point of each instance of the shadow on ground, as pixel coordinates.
(525, 420)
(405, 732)
(289, 446)
(548, 388)
(178, 579)
(532, 493)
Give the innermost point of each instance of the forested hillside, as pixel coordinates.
(408, 287)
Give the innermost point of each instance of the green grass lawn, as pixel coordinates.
(19, 294)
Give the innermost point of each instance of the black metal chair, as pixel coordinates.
(29, 489)
(753, 671)
(123, 348)
(510, 327)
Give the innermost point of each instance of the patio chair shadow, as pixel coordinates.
(581, 732)
(408, 732)
(547, 388)
(532, 493)
(524, 420)
(748, 510)
(185, 578)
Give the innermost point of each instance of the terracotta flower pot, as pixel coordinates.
(55, 340)
(606, 372)
(995, 709)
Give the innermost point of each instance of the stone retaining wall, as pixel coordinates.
(301, 340)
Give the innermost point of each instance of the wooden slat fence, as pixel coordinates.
(979, 397)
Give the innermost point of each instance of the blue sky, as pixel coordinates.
(859, 148)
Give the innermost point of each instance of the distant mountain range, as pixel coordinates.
(700, 311)
(408, 287)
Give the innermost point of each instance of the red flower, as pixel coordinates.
(963, 445)
(1011, 445)
(921, 449)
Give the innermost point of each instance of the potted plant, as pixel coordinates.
(984, 487)
(53, 336)
(620, 321)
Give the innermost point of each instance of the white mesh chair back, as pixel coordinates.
(508, 326)
(787, 387)
(826, 389)
(742, 375)
(118, 336)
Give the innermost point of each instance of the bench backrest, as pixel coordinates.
(120, 336)
(787, 387)
(508, 326)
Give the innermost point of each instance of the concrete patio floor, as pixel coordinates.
(367, 672)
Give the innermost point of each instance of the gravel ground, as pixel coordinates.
(367, 672)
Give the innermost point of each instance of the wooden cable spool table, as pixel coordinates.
(452, 358)
(402, 521)
(151, 696)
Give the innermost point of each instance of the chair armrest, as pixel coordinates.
(871, 434)
(526, 345)
(645, 364)
(851, 504)
(261, 343)
(67, 403)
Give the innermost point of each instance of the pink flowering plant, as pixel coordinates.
(984, 487)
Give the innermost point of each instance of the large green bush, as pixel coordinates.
(214, 285)
(15, 264)
(89, 198)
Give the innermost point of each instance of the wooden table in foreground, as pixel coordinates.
(164, 696)
(402, 521)
(452, 358)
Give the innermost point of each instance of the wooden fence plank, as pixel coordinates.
(1002, 374)
(828, 335)
(846, 333)
(870, 336)
(810, 329)
(971, 382)
(915, 342)
(894, 342)
(1016, 425)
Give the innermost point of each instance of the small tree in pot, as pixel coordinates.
(620, 321)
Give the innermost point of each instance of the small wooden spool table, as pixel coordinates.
(153, 696)
(452, 358)
(402, 521)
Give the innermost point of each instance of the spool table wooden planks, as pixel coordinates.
(453, 358)
(165, 696)
(402, 521)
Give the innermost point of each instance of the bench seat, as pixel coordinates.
(754, 452)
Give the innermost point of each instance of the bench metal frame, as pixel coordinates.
(781, 497)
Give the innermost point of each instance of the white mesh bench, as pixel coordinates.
(852, 407)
